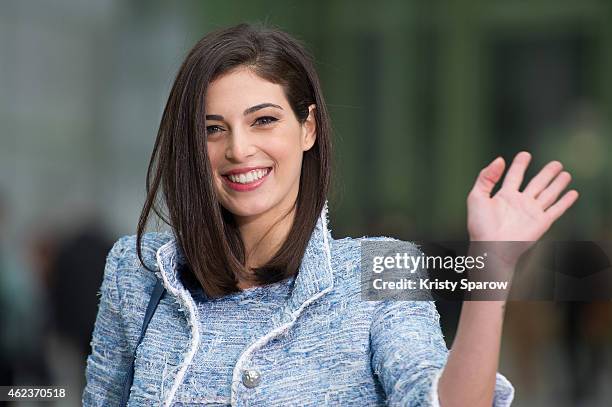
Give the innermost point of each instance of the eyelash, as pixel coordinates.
(269, 121)
(272, 120)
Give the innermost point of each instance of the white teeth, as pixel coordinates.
(248, 177)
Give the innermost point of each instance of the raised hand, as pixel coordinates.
(514, 215)
(509, 215)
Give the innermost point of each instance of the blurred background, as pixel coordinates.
(422, 94)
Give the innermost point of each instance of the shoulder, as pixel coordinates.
(127, 284)
(347, 253)
(125, 254)
(349, 249)
(124, 269)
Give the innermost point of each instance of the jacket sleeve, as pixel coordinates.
(409, 352)
(109, 360)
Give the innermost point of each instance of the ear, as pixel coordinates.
(309, 129)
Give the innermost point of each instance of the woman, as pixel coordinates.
(262, 304)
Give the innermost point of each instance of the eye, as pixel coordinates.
(265, 120)
(213, 129)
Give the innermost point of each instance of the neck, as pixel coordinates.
(264, 234)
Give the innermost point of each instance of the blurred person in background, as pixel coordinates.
(582, 139)
(22, 314)
(74, 278)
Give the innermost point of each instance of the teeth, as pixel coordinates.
(248, 177)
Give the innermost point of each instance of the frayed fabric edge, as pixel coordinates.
(192, 319)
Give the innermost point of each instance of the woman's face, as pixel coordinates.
(255, 144)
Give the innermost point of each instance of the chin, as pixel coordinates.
(251, 207)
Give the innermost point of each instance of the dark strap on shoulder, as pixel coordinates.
(158, 292)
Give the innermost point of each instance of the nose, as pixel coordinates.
(239, 146)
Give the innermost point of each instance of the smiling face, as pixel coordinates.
(255, 144)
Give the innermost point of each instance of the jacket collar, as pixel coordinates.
(314, 278)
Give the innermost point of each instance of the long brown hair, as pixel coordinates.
(180, 166)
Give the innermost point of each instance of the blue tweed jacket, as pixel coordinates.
(324, 345)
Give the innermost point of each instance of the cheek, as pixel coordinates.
(286, 145)
(216, 159)
(287, 155)
(214, 155)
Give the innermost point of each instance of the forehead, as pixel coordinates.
(240, 89)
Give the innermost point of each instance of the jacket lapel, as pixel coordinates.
(315, 276)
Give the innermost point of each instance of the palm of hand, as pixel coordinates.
(514, 215)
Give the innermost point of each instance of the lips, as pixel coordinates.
(246, 179)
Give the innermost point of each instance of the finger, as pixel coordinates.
(516, 172)
(488, 177)
(551, 193)
(562, 204)
(541, 181)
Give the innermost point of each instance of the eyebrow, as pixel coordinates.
(246, 112)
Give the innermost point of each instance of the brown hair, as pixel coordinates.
(205, 230)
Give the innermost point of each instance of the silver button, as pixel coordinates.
(251, 378)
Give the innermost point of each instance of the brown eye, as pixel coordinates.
(213, 129)
(265, 120)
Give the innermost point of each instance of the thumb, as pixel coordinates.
(488, 177)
